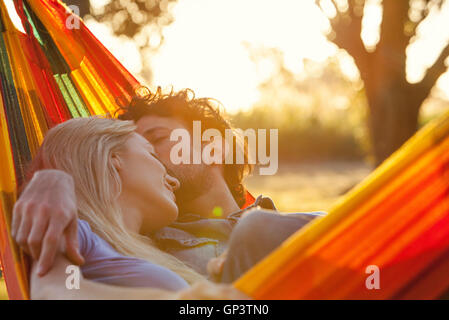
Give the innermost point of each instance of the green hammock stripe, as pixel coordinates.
(33, 26)
(57, 63)
(79, 103)
(56, 60)
(66, 96)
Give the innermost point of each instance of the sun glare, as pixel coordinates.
(207, 47)
(13, 15)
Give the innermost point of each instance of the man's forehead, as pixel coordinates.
(143, 142)
(148, 124)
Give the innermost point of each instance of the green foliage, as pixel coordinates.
(320, 113)
(306, 135)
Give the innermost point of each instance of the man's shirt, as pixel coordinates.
(195, 240)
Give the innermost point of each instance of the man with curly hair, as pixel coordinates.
(211, 234)
(157, 115)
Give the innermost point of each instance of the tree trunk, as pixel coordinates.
(393, 119)
(393, 102)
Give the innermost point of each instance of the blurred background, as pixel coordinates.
(346, 82)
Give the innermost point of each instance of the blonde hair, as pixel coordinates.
(83, 148)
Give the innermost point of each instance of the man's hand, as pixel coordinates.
(44, 216)
(215, 266)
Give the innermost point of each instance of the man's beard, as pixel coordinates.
(194, 182)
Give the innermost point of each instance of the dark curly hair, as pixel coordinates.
(183, 105)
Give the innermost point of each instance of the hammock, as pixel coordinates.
(48, 75)
(397, 219)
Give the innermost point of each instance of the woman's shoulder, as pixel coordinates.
(104, 264)
(85, 237)
(92, 246)
(83, 227)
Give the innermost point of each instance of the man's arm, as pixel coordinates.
(44, 215)
(53, 286)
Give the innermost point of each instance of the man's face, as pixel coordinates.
(193, 177)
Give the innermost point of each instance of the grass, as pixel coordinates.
(309, 186)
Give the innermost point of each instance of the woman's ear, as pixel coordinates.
(117, 162)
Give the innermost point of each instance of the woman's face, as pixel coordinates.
(146, 186)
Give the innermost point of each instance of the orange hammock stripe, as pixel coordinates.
(397, 219)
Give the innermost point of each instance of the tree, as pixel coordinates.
(131, 18)
(394, 103)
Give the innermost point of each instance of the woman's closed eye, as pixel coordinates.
(155, 139)
(157, 158)
(170, 172)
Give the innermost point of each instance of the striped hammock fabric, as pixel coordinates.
(48, 75)
(396, 220)
(395, 223)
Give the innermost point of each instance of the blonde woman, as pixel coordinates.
(122, 191)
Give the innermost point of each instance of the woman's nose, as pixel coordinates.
(173, 182)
